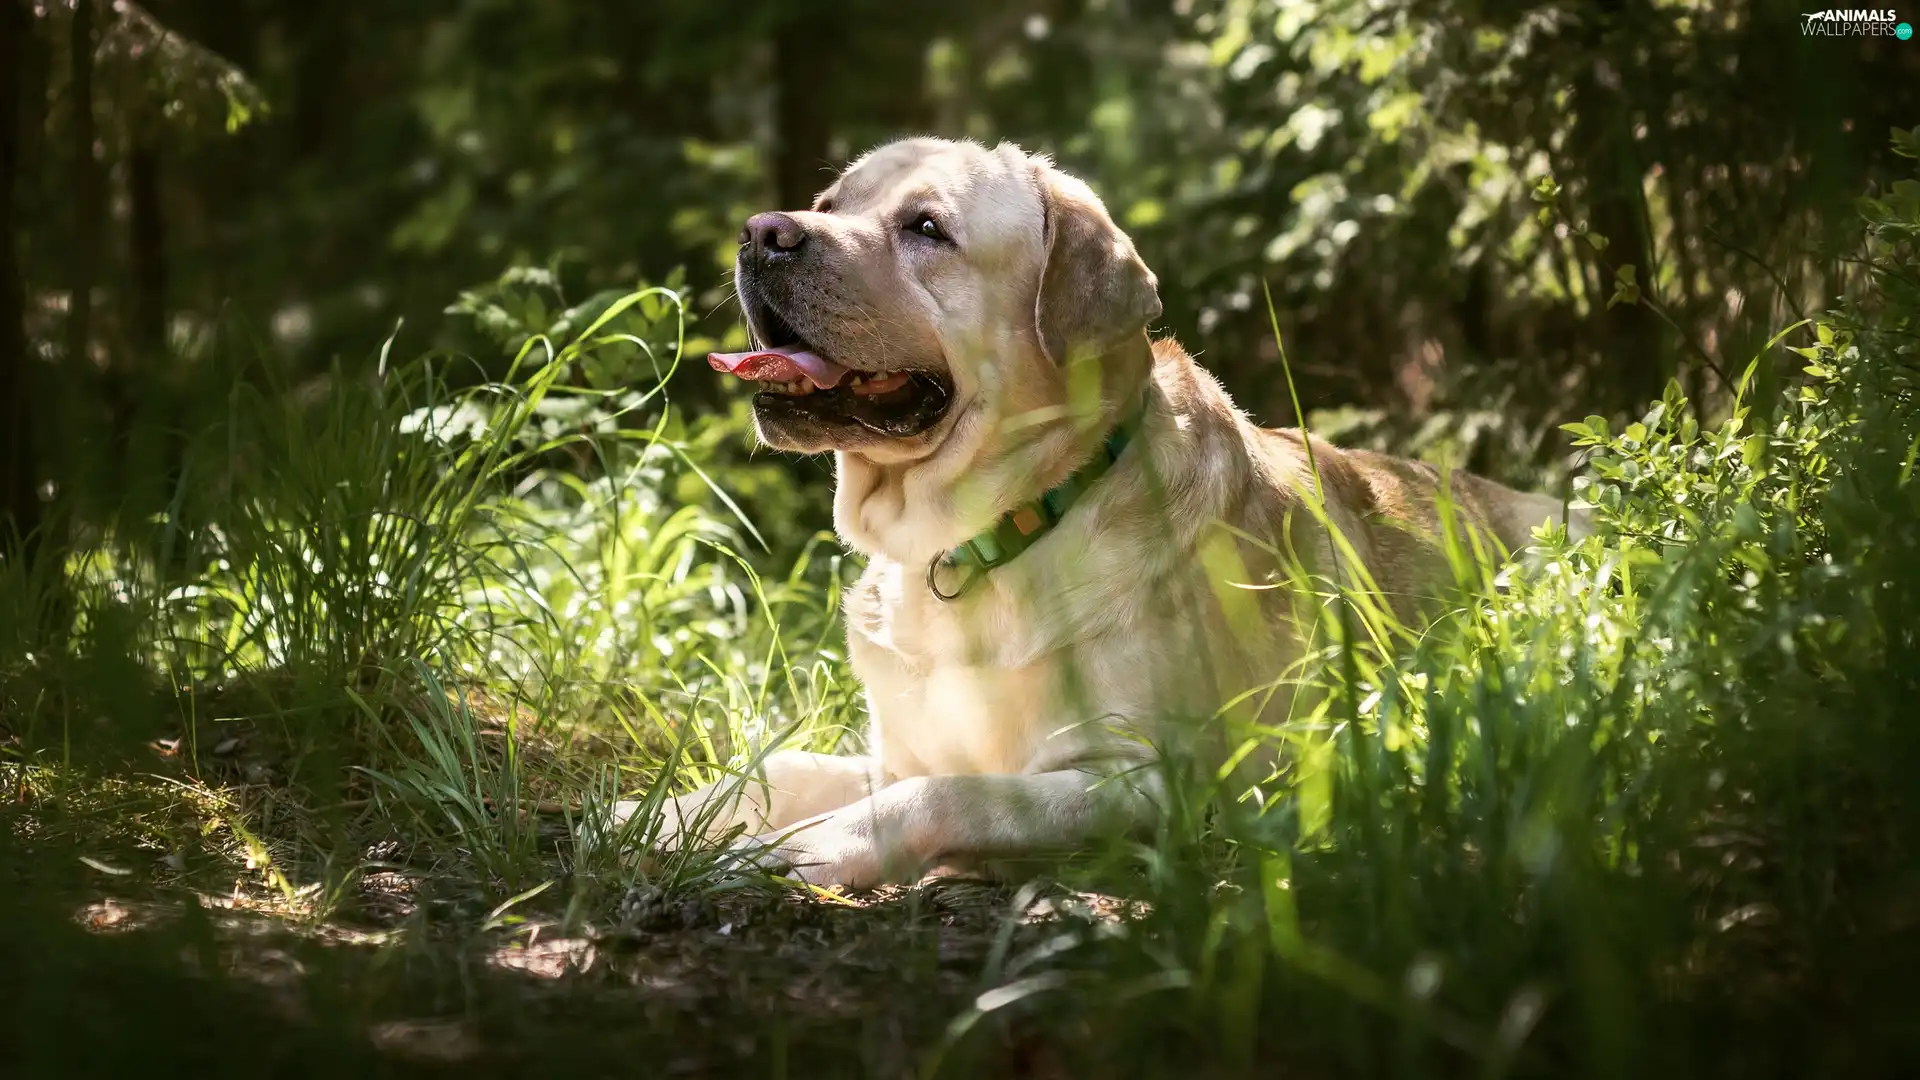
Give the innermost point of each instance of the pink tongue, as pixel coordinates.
(779, 365)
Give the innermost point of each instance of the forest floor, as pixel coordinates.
(126, 955)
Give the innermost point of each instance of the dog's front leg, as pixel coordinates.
(898, 831)
(789, 786)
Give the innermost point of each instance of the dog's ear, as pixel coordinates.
(1095, 293)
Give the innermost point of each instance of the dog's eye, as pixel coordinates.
(926, 226)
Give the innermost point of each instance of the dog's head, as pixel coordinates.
(941, 301)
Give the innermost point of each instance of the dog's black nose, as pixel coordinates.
(773, 233)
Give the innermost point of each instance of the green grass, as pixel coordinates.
(456, 607)
(1647, 811)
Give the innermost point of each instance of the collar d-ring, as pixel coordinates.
(966, 582)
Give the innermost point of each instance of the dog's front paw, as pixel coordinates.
(825, 851)
(667, 834)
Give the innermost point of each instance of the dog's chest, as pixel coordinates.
(892, 611)
(993, 684)
(974, 687)
(959, 719)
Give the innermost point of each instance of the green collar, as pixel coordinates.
(1023, 527)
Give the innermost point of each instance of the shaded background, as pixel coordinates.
(281, 486)
(308, 178)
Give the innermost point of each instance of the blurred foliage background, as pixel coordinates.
(313, 179)
(365, 530)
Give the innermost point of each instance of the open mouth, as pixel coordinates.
(796, 381)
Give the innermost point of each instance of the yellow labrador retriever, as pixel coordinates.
(1072, 534)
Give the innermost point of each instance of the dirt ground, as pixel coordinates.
(110, 973)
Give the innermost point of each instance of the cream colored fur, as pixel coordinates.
(1015, 720)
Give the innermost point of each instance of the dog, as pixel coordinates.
(1077, 546)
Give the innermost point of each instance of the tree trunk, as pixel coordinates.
(86, 199)
(146, 251)
(1634, 366)
(19, 499)
(809, 47)
(141, 368)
